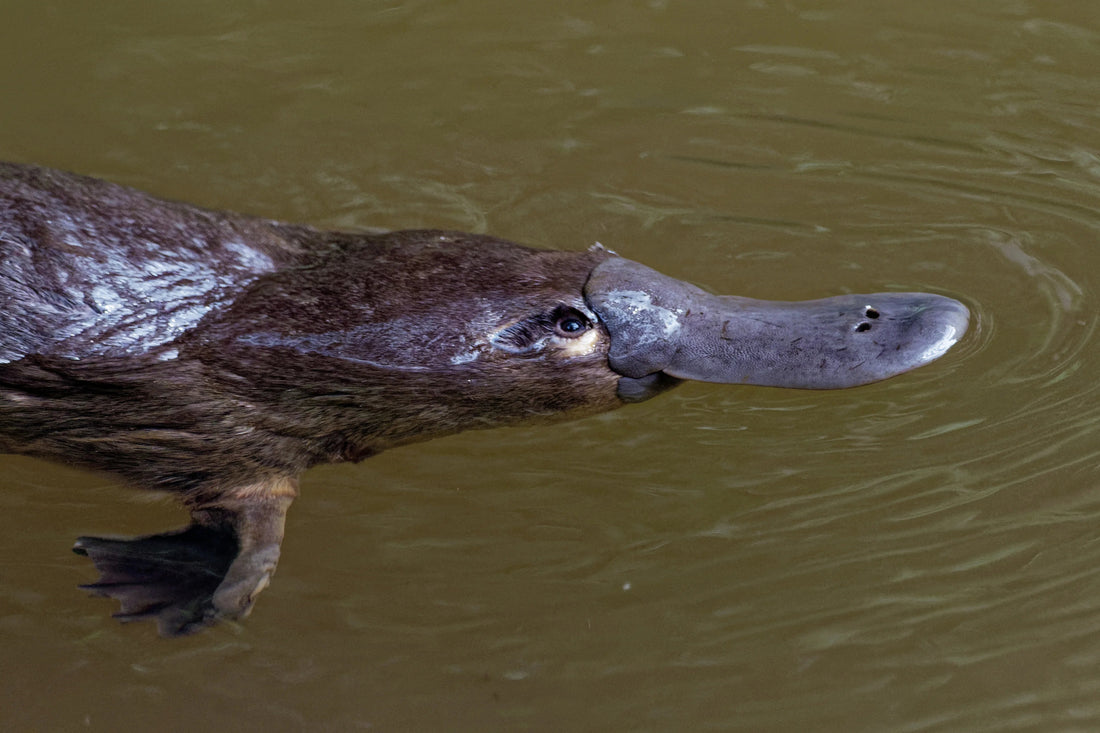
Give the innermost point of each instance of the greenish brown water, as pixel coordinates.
(917, 555)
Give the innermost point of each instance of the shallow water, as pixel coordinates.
(917, 555)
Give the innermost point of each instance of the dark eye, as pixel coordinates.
(571, 324)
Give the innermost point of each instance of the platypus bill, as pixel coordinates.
(218, 356)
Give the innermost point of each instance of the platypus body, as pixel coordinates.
(218, 356)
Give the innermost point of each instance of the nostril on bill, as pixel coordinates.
(863, 326)
(870, 312)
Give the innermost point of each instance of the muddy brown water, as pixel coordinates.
(917, 555)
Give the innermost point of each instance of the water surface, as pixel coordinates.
(916, 555)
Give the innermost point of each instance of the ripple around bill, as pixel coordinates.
(934, 533)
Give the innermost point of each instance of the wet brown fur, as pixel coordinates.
(227, 411)
(312, 347)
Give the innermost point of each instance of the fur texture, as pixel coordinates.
(196, 351)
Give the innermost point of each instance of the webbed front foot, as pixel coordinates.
(170, 578)
(189, 579)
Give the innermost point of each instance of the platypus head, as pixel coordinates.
(438, 332)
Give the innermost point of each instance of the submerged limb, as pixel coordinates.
(188, 579)
(257, 516)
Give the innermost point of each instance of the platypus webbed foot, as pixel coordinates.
(169, 578)
(192, 578)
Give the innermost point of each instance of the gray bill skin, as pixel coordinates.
(659, 324)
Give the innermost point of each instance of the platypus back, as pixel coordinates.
(91, 268)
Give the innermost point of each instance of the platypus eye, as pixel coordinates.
(570, 323)
(530, 335)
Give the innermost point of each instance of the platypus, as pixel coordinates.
(218, 356)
